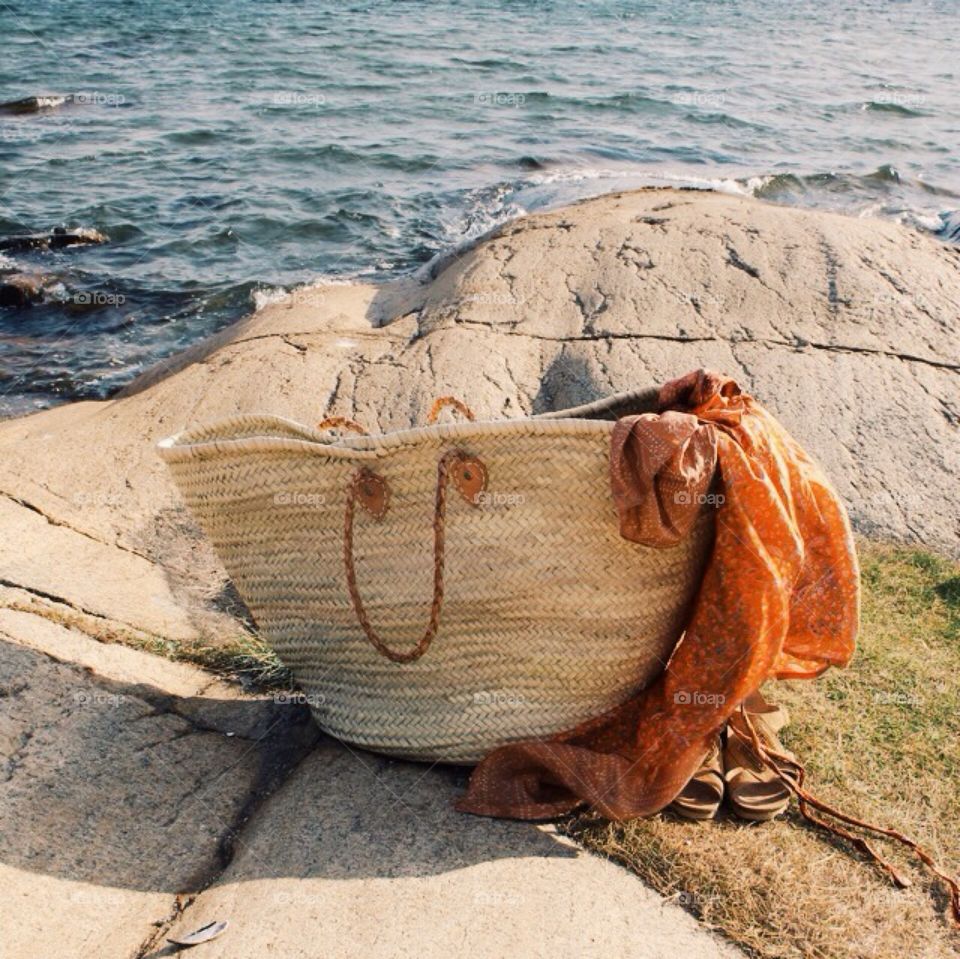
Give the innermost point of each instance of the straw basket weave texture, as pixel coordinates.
(545, 616)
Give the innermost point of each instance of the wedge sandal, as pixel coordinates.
(701, 797)
(754, 790)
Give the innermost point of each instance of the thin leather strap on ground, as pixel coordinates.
(792, 772)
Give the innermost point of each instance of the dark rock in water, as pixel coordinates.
(951, 226)
(85, 301)
(884, 174)
(21, 289)
(530, 163)
(55, 240)
(35, 104)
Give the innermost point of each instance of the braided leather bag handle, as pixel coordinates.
(371, 491)
(439, 404)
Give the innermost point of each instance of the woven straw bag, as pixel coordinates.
(441, 591)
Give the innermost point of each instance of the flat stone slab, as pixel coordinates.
(360, 857)
(117, 796)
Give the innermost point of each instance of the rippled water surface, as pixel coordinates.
(230, 148)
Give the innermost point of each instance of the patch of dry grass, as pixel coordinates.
(242, 656)
(881, 740)
(246, 658)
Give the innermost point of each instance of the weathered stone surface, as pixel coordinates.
(120, 787)
(382, 866)
(125, 786)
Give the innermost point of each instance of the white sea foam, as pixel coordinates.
(645, 177)
(265, 296)
(573, 175)
(486, 209)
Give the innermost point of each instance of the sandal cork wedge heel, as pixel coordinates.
(701, 797)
